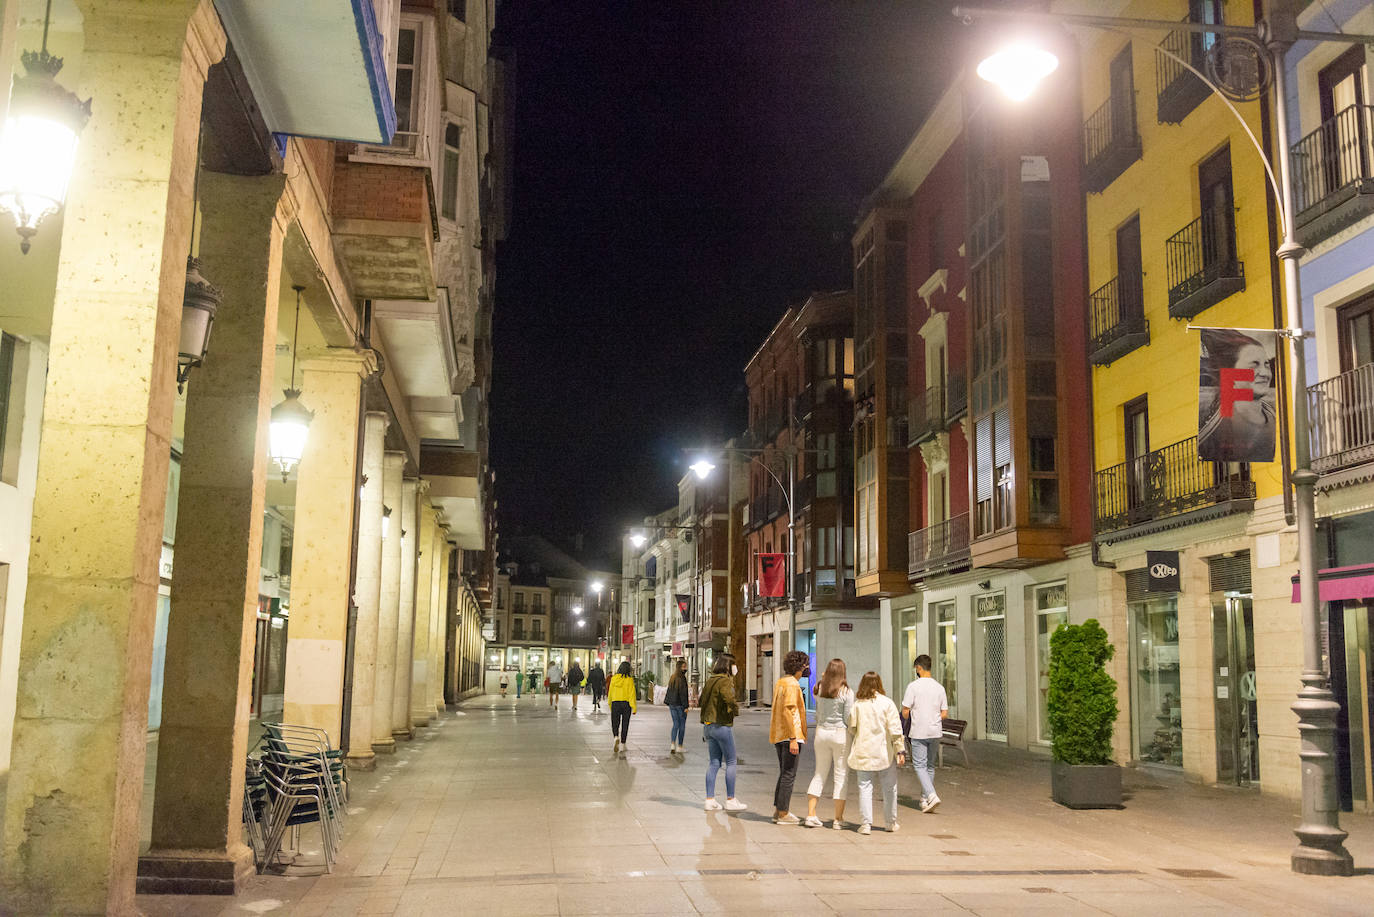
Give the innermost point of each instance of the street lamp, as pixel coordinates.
(638, 538)
(702, 468)
(290, 420)
(1018, 68)
(1321, 848)
(38, 144)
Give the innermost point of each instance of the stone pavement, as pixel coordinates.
(509, 807)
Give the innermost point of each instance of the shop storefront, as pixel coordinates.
(1156, 688)
(990, 612)
(1051, 610)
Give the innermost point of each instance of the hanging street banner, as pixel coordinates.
(1236, 405)
(684, 607)
(627, 634)
(773, 575)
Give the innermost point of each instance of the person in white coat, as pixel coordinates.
(875, 749)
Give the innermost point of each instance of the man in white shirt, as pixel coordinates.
(925, 703)
(555, 677)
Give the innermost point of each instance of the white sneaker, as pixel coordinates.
(734, 805)
(894, 827)
(713, 806)
(865, 829)
(788, 819)
(837, 825)
(615, 749)
(813, 822)
(930, 803)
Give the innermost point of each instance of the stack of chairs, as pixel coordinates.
(296, 779)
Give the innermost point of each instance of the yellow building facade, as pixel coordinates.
(1179, 233)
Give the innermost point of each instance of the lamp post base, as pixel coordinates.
(1315, 861)
(1322, 842)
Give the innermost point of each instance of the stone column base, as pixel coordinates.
(194, 872)
(384, 748)
(361, 762)
(420, 721)
(402, 735)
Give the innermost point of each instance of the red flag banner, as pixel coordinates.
(773, 575)
(684, 607)
(1236, 413)
(627, 634)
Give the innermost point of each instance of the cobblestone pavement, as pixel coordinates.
(511, 807)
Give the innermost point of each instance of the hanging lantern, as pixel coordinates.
(198, 307)
(290, 420)
(287, 432)
(38, 144)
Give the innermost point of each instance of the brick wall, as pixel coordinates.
(367, 191)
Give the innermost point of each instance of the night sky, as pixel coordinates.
(683, 171)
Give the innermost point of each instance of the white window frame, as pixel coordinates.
(426, 96)
(441, 170)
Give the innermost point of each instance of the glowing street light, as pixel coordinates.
(703, 468)
(1017, 68)
(597, 586)
(638, 538)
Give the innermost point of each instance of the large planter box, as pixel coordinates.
(1086, 786)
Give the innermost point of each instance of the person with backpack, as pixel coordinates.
(575, 678)
(596, 684)
(676, 700)
(718, 711)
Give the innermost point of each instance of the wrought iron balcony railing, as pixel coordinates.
(938, 548)
(956, 395)
(1333, 170)
(1202, 265)
(1118, 319)
(1166, 482)
(1110, 143)
(1179, 90)
(926, 414)
(1342, 420)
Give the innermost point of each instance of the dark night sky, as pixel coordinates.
(683, 171)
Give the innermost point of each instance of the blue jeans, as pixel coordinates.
(678, 735)
(720, 744)
(923, 753)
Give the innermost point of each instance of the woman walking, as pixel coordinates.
(575, 678)
(622, 697)
(834, 700)
(787, 732)
(875, 731)
(596, 683)
(718, 711)
(505, 682)
(676, 699)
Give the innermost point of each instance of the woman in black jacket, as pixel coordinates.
(596, 683)
(575, 678)
(676, 699)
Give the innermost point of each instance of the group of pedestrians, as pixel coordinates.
(594, 681)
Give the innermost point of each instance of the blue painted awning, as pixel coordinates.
(316, 67)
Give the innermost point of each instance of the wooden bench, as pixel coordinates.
(953, 736)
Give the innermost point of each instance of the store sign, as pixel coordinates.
(845, 627)
(627, 634)
(1161, 568)
(677, 648)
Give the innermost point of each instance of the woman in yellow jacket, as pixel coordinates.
(622, 698)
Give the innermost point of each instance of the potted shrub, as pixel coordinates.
(646, 687)
(1082, 709)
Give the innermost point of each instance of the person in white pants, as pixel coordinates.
(831, 743)
(875, 741)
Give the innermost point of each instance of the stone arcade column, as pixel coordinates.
(197, 815)
(421, 711)
(383, 698)
(405, 623)
(322, 542)
(439, 639)
(367, 593)
(71, 821)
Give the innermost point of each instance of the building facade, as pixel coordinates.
(349, 231)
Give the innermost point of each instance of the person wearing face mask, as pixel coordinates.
(718, 711)
(787, 732)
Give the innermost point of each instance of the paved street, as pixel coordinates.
(507, 807)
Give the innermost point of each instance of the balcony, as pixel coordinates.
(926, 415)
(1110, 144)
(956, 395)
(1118, 320)
(384, 230)
(1342, 420)
(1333, 169)
(1202, 265)
(938, 548)
(1167, 488)
(1180, 91)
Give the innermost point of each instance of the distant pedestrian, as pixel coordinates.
(787, 732)
(677, 701)
(596, 684)
(534, 682)
(553, 678)
(924, 701)
(875, 744)
(622, 697)
(505, 682)
(519, 681)
(718, 711)
(575, 678)
(834, 700)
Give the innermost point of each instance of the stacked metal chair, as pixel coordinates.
(296, 779)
